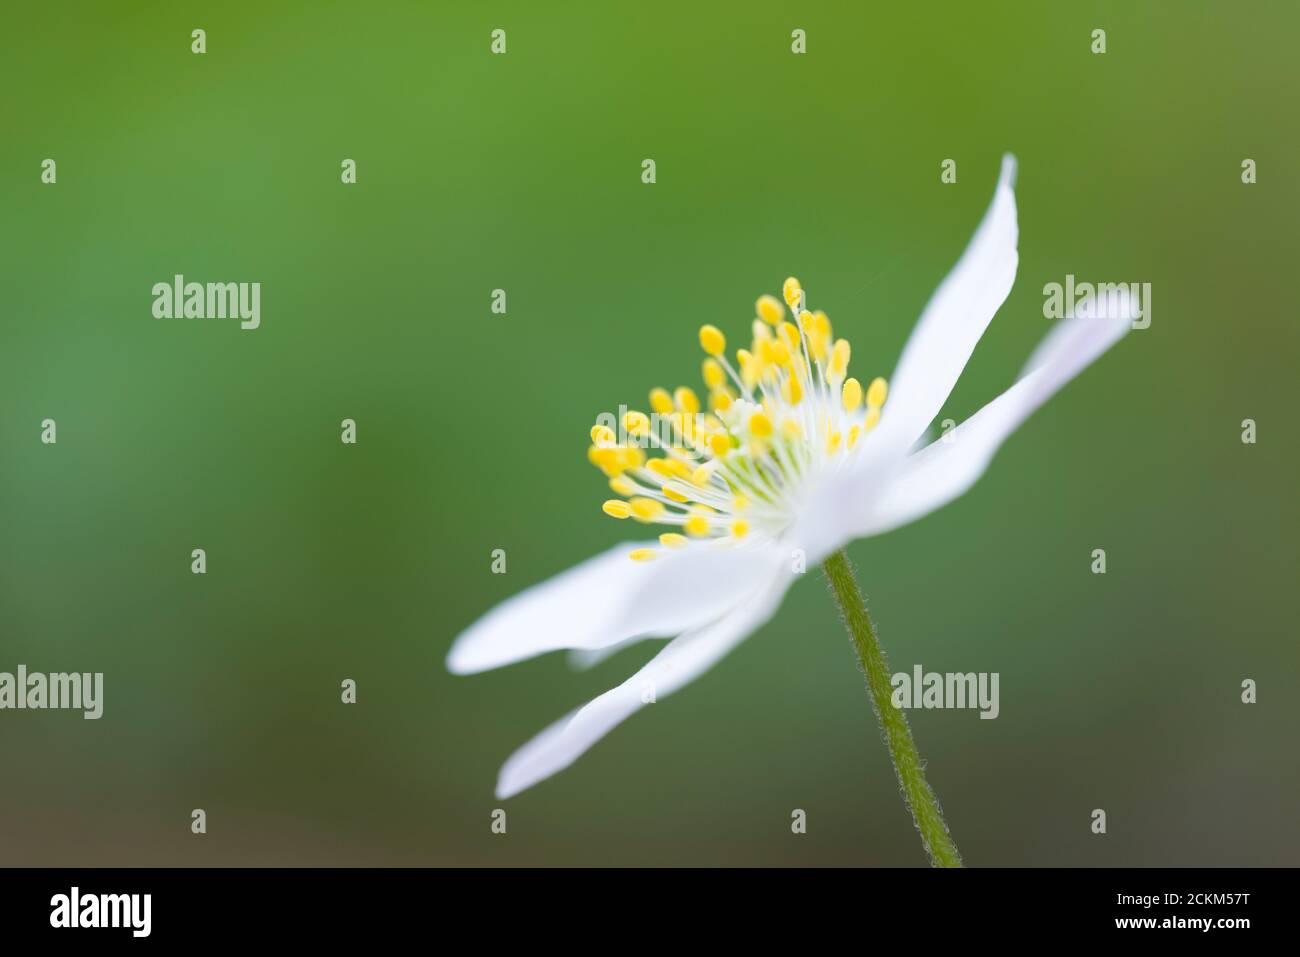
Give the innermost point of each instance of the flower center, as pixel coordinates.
(778, 420)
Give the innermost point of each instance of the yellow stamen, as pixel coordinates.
(687, 400)
(622, 486)
(642, 554)
(852, 395)
(646, 509)
(840, 359)
(697, 526)
(869, 423)
(617, 508)
(672, 540)
(673, 494)
(712, 340)
(760, 425)
(660, 401)
(636, 423)
(713, 374)
(770, 309)
(792, 292)
(877, 392)
(720, 444)
(740, 528)
(602, 435)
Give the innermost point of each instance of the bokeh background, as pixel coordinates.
(522, 172)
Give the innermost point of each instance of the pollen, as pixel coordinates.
(687, 401)
(770, 310)
(852, 395)
(877, 392)
(782, 412)
(712, 340)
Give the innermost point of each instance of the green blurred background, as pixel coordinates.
(522, 172)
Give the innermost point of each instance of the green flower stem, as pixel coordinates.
(907, 762)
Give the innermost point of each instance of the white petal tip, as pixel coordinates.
(1009, 167)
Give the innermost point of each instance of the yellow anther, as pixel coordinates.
(806, 321)
(720, 400)
(770, 309)
(833, 442)
(702, 475)
(792, 292)
(617, 508)
(673, 494)
(660, 467)
(790, 334)
(636, 423)
(791, 430)
(712, 340)
(855, 433)
(852, 395)
(760, 425)
(646, 509)
(672, 540)
(687, 401)
(739, 503)
(678, 469)
(631, 457)
(781, 354)
(877, 392)
(622, 486)
(720, 444)
(697, 526)
(817, 345)
(609, 461)
(713, 374)
(761, 330)
(602, 435)
(740, 528)
(642, 554)
(822, 324)
(840, 358)
(873, 416)
(792, 390)
(660, 401)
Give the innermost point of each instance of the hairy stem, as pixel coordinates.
(917, 793)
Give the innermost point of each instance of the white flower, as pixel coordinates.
(793, 458)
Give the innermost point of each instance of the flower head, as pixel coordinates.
(785, 459)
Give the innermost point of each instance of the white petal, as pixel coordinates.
(948, 467)
(581, 659)
(684, 659)
(953, 321)
(609, 599)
